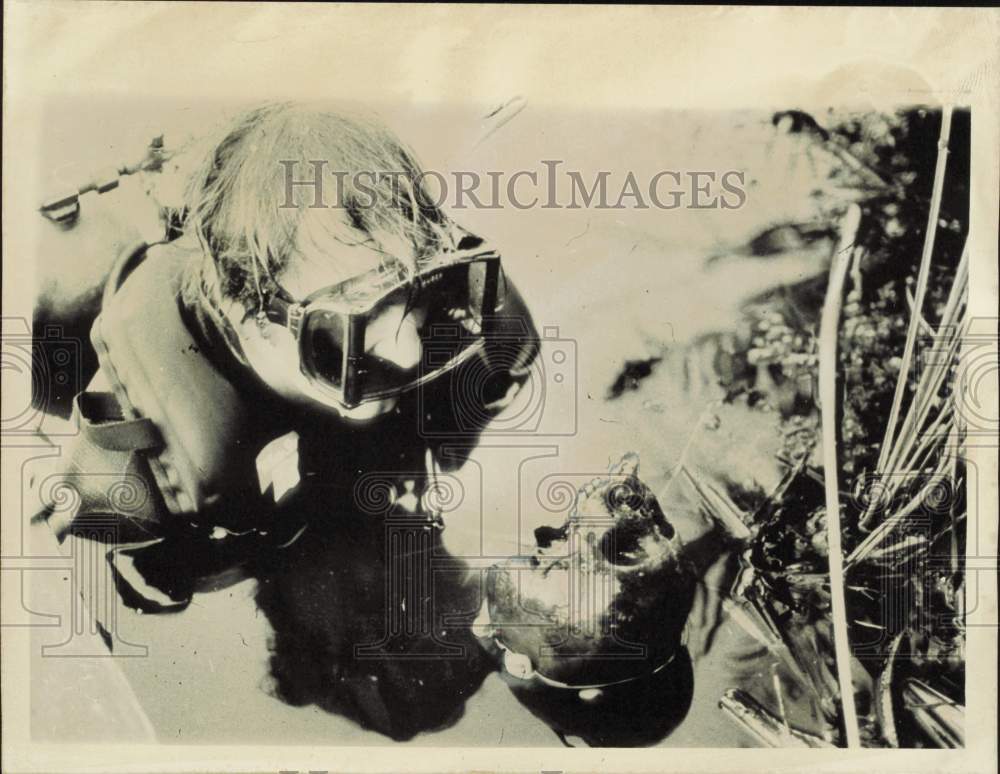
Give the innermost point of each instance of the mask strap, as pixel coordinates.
(205, 283)
(261, 316)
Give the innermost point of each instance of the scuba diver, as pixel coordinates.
(280, 384)
(269, 352)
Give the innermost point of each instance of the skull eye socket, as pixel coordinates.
(620, 546)
(633, 496)
(623, 496)
(546, 536)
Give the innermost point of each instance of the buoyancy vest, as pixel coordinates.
(164, 419)
(172, 426)
(157, 371)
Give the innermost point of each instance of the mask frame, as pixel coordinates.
(472, 281)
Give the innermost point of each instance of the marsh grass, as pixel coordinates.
(853, 574)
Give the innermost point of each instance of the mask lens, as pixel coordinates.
(445, 305)
(480, 286)
(455, 305)
(463, 295)
(323, 346)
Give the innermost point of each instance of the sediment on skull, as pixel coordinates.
(606, 594)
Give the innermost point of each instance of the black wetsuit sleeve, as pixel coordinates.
(467, 401)
(510, 351)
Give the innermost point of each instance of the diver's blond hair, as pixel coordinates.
(236, 201)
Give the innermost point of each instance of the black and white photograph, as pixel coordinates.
(518, 388)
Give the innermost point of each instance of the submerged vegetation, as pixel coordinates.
(896, 312)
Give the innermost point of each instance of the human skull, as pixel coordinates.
(604, 598)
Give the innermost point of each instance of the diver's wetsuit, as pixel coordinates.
(334, 456)
(348, 557)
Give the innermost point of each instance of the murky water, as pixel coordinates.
(275, 654)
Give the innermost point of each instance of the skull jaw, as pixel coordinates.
(633, 714)
(587, 628)
(606, 596)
